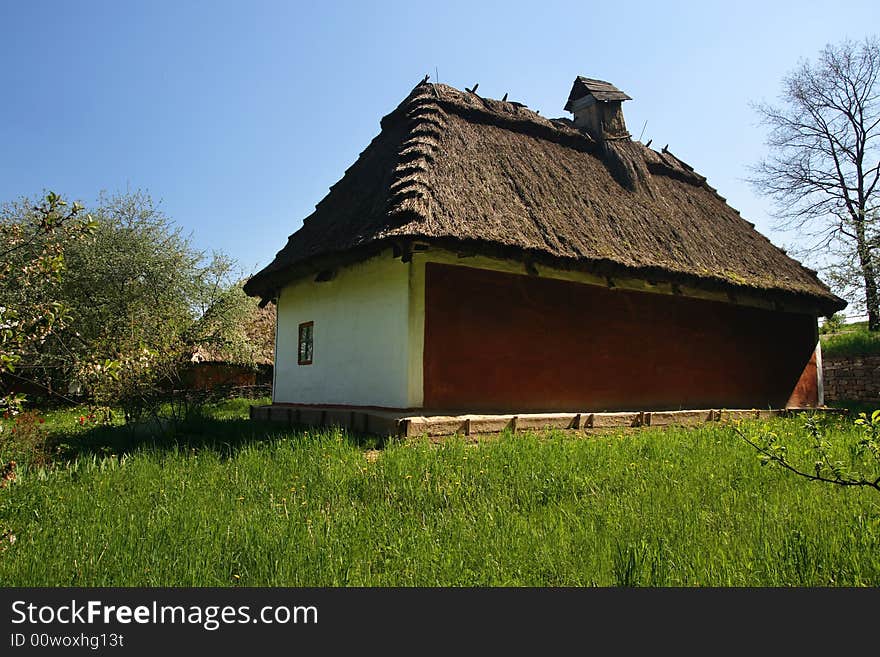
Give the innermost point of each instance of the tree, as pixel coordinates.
(136, 293)
(34, 240)
(133, 298)
(134, 283)
(138, 283)
(823, 168)
(235, 329)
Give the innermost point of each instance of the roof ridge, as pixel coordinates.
(409, 191)
(502, 113)
(437, 99)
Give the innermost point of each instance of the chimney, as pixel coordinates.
(596, 108)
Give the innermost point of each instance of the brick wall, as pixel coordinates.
(854, 378)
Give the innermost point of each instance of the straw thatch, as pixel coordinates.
(493, 177)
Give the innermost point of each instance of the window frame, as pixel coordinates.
(299, 343)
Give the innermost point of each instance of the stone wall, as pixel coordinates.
(852, 378)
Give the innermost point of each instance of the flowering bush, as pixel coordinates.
(24, 434)
(137, 382)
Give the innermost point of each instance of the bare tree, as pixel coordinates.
(823, 167)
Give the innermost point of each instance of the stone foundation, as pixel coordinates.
(408, 424)
(852, 378)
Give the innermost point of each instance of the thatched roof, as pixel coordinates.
(493, 177)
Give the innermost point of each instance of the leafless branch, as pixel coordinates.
(822, 173)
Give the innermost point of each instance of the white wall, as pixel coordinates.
(369, 324)
(361, 338)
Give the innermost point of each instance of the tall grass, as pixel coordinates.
(852, 340)
(654, 507)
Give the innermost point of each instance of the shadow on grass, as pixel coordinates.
(853, 408)
(223, 436)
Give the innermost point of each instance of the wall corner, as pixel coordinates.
(416, 333)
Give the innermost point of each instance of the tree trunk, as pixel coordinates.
(872, 301)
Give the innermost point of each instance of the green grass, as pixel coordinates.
(243, 504)
(853, 340)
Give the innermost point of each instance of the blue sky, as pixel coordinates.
(238, 116)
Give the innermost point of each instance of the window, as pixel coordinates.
(306, 347)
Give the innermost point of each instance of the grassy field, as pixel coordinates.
(232, 503)
(852, 340)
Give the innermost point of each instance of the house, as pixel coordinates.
(208, 369)
(481, 258)
(246, 362)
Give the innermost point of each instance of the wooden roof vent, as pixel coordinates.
(596, 108)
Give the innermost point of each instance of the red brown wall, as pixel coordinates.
(504, 342)
(204, 376)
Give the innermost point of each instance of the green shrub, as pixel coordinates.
(833, 324)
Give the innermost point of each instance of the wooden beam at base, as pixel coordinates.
(405, 425)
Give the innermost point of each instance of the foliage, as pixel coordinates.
(135, 292)
(824, 167)
(35, 239)
(852, 340)
(136, 300)
(232, 329)
(24, 437)
(137, 281)
(244, 504)
(853, 462)
(137, 382)
(832, 324)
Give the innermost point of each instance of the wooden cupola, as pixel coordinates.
(596, 108)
